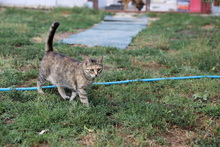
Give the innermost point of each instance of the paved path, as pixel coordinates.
(113, 31)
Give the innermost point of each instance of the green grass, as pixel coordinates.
(163, 113)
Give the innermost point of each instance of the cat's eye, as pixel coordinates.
(99, 70)
(91, 70)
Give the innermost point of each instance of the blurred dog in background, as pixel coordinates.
(139, 4)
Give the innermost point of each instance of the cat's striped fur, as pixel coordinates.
(66, 72)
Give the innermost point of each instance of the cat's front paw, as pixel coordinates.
(66, 98)
(86, 104)
(40, 92)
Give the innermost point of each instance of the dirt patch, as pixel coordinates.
(44, 144)
(208, 125)
(57, 37)
(88, 140)
(131, 140)
(107, 68)
(80, 45)
(37, 39)
(7, 118)
(9, 121)
(63, 35)
(178, 137)
(66, 13)
(146, 65)
(183, 137)
(208, 27)
(128, 138)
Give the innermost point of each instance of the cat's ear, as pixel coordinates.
(100, 59)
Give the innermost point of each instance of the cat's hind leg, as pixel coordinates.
(40, 82)
(62, 92)
(39, 87)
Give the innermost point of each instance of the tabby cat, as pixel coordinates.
(66, 72)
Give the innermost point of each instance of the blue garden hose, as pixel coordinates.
(120, 82)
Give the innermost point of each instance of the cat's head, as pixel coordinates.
(93, 67)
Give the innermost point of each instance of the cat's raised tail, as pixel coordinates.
(49, 41)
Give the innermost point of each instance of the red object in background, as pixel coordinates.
(199, 6)
(206, 8)
(195, 6)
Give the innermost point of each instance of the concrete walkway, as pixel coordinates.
(114, 31)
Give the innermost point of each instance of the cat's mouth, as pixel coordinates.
(94, 76)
